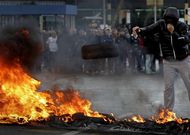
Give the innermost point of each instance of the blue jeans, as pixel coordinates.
(149, 63)
(171, 69)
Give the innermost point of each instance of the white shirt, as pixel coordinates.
(52, 44)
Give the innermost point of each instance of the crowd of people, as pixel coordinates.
(62, 51)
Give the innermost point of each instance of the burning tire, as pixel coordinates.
(97, 51)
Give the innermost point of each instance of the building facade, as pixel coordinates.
(47, 14)
(134, 12)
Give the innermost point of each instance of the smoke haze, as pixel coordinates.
(21, 43)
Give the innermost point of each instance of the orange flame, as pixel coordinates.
(165, 115)
(20, 102)
(70, 102)
(19, 98)
(137, 118)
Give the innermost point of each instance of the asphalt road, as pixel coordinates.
(122, 94)
(23, 130)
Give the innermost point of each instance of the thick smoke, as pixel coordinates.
(21, 43)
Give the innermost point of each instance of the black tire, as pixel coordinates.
(98, 51)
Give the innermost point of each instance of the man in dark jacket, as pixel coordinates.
(174, 41)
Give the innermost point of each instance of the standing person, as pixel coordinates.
(150, 45)
(123, 36)
(81, 39)
(45, 51)
(174, 41)
(107, 39)
(136, 56)
(53, 48)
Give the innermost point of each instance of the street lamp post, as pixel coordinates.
(186, 12)
(155, 3)
(155, 10)
(104, 12)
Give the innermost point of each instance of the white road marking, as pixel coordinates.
(71, 133)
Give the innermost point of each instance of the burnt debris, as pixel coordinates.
(92, 124)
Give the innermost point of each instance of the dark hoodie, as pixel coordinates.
(171, 15)
(174, 46)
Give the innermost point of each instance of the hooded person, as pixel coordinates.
(174, 43)
(171, 15)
